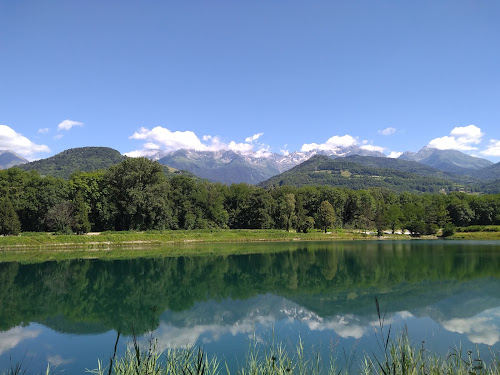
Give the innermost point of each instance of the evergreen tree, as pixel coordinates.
(9, 222)
(81, 223)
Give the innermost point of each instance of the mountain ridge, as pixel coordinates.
(345, 173)
(10, 159)
(452, 161)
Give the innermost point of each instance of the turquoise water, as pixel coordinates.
(68, 313)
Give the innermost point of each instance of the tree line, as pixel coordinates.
(136, 194)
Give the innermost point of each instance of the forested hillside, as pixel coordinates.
(361, 172)
(136, 194)
(85, 159)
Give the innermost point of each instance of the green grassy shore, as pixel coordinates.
(114, 245)
(35, 247)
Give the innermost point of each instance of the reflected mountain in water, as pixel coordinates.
(324, 285)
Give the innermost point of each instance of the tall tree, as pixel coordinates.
(137, 190)
(81, 215)
(326, 215)
(9, 221)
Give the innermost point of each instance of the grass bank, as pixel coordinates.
(172, 237)
(49, 246)
(36, 247)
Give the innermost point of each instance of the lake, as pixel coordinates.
(443, 293)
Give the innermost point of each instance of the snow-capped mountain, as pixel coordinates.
(229, 167)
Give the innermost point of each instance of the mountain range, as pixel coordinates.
(10, 159)
(350, 167)
(452, 161)
(362, 172)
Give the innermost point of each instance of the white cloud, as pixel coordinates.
(493, 148)
(150, 149)
(171, 141)
(394, 154)
(479, 330)
(344, 326)
(460, 138)
(43, 131)
(243, 148)
(372, 148)
(161, 138)
(13, 141)
(253, 137)
(68, 124)
(387, 131)
(333, 143)
(11, 338)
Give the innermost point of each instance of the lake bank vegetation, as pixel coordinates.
(393, 356)
(136, 195)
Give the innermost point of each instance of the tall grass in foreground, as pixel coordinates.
(154, 362)
(390, 357)
(397, 356)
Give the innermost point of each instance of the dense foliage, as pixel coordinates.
(136, 194)
(85, 159)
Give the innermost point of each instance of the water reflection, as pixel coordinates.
(317, 290)
(14, 336)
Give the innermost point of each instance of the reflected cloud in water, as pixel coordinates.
(57, 360)
(483, 328)
(170, 336)
(14, 336)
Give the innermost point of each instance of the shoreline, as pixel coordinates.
(37, 247)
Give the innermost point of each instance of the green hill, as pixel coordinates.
(411, 167)
(489, 173)
(344, 172)
(85, 159)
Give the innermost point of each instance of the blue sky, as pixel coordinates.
(140, 76)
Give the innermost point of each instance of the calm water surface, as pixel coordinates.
(67, 313)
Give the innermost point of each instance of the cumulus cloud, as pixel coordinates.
(253, 137)
(13, 141)
(333, 143)
(387, 131)
(493, 148)
(372, 148)
(68, 124)
(43, 131)
(394, 154)
(160, 138)
(460, 138)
